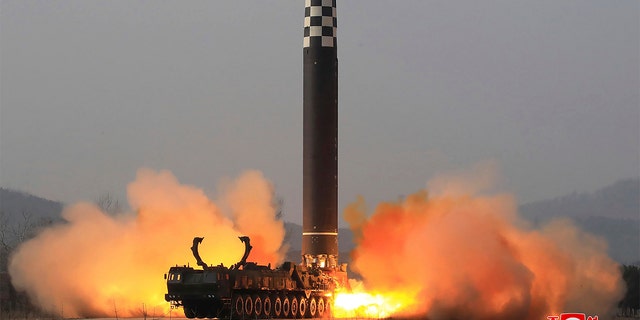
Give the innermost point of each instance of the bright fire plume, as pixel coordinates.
(101, 265)
(360, 303)
(458, 254)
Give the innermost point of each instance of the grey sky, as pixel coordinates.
(93, 90)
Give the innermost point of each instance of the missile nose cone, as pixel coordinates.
(320, 23)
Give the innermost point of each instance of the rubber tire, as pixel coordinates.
(238, 306)
(248, 306)
(294, 307)
(267, 306)
(201, 312)
(313, 307)
(189, 312)
(302, 309)
(257, 306)
(321, 308)
(277, 307)
(211, 313)
(286, 307)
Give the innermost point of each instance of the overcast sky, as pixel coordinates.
(91, 91)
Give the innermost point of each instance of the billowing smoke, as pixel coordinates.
(96, 264)
(455, 252)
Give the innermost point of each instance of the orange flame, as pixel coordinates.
(358, 303)
(459, 254)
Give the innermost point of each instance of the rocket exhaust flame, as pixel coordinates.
(97, 265)
(449, 254)
(360, 303)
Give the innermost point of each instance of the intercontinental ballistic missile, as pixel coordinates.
(320, 154)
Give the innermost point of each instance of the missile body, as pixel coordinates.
(320, 154)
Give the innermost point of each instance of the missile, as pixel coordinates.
(320, 146)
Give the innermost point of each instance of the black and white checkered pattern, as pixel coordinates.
(319, 23)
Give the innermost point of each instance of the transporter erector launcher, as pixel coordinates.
(320, 154)
(247, 290)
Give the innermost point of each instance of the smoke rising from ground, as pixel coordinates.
(97, 264)
(457, 253)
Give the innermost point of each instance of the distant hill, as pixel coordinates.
(620, 200)
(14, 205)
(612, 212)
